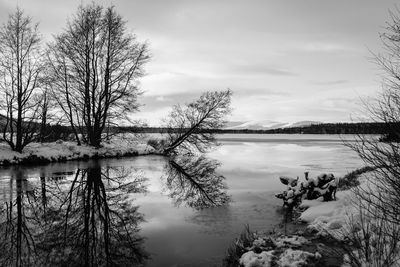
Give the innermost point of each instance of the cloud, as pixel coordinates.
(275, 55)
(325, 47)
(257, 69)
(162, 98)
(333, 82)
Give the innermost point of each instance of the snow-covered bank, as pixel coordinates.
(36, 153)
(367, 237)
(280, 250)
(328, 217)
(333, 233)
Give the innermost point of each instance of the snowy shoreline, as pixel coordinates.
(61, 151)
(300, 246)
(323, 222)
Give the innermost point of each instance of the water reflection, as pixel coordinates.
(87, 218)
(16, 234)
(195, 182)
(85, 214)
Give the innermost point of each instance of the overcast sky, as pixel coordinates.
(286, 60)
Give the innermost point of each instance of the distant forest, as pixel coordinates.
(324, 128)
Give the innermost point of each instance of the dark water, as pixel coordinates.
(153, 210)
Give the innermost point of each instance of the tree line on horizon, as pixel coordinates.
(321, 128)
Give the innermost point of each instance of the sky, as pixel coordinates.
(286, 61)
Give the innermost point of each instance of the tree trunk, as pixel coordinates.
(18, 141)
(43, 125)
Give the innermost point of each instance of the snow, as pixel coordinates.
(259, 242)
(324, 212)
(342, 218)
(328, 212)
(256, 125)
(267, 124)
(252, 259)
(120, 145)
(286, 180)
(331, 217)
(295, 258)
(280, 250)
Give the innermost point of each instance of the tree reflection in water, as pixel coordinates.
(17, 244)
(87, 217)
(194, 182)
(84, 220)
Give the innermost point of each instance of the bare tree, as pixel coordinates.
(382, 193)
(45, 114)
(44, 111)
(20, 69)
(95, 65)
(370, 239)
(51, 125)
(191, 126)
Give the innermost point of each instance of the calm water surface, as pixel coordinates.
(120, 210)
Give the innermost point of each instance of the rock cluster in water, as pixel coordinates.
(324, 185)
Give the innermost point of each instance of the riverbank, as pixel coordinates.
(61, 151)
(319, 235)
(298, 245)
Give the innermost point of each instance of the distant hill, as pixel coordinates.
(3, 121)
(266, 125)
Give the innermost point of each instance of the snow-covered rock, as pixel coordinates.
(296, 258)
(349, 219)
(279, 250)
(252, 259)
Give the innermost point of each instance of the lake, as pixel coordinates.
(178, 212)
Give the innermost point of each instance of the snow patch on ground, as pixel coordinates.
(332, 217)
(295, 258)
(120, 145)
(328, 217)
(279, 250)
(252, 259)
(343, 219)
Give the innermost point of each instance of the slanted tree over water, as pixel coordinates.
(20, 70)
(190, 124)
(94, 65)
